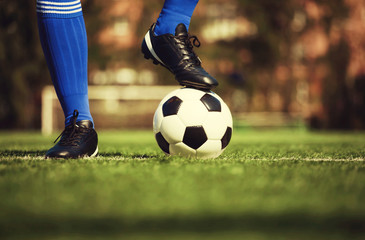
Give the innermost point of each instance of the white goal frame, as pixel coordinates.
(101, 93)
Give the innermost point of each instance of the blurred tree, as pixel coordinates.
(306, 43)
(23, 70)
(335, 90)
(270, 50)
(359, 101)
(21, 65)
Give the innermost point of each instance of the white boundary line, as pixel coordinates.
(121, 157)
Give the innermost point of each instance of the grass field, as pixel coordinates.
(282, 184)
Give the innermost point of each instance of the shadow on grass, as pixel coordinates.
(297, 223)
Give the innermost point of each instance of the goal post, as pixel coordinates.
(101, 93)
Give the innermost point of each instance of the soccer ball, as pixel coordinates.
(192, 123)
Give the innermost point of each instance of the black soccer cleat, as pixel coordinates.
(77, 140)
(177, 55)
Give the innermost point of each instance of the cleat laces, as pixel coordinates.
(187, 43)
(73, 133)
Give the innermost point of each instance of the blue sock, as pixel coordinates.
(173, 13)
(63, 39)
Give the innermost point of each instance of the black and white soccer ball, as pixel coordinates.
(193, 123)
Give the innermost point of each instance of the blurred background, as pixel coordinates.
(298, 63)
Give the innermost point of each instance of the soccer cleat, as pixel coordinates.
(77, 140)
(177, 55)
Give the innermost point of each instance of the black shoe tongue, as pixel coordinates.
(181, 30)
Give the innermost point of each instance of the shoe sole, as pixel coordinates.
(149, 53)
(94, 154)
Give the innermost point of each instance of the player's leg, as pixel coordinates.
(173, 13)
(63, 38)
(168, 43)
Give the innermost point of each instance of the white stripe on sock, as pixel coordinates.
(150, 47)
(61, 8)
(58, 3)
(60, 12)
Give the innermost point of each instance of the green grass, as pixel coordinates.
(284, 184)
